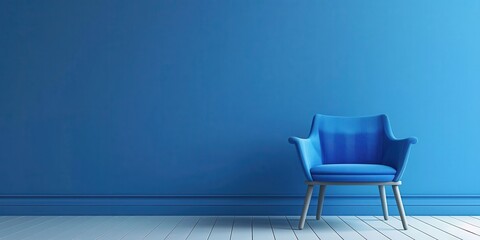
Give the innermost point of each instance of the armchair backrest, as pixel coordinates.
(350, 139)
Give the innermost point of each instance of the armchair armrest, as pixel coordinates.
(411, 140)
(308, 153)
(396, 154)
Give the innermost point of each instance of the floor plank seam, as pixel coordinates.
(113, 227)
(417, 228)
(181, 219)
(315, 232)
(377, 229)
(436, 227)
(341, 219)
(198, 220)
(372, 227)
(163, 220)
(478, 226)
(211, 230)
(333, 229)
(396, 230)
(233, 224)
(455, 226)
(271, 228)
(289, 223)
(386, 222)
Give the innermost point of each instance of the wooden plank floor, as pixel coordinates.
(236, 227)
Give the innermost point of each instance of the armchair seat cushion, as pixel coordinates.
(352, 169)
(352, 173)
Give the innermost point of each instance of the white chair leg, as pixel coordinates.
(306, 204)
(383, 197)
(398, 198)
(321, 196)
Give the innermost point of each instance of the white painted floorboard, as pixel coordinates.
(142, 231)
(38, 228)
(342, 229)
(24, 226)
(72, 230)
(459, 224)
(281, 228)
(202, 230)
(49, 231)
(16, 223)
(242, 228)
(428, 229)
(411, 232)
(222, 228)
(103, 226)
(306, 233)
(470, 220)
(367, 231)
(6, 219)
(165, 228)
(322, 229)
(183, 228)
(262, 229)
(239, 227)
(450, 228)
(384, 228)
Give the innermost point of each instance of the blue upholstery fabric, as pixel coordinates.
(352, 169)
(352, 149)
(352, 173)
(353, 178)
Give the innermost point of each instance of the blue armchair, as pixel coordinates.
(352, 151)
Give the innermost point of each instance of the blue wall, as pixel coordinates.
(158, 100)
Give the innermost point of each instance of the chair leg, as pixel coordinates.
(306, 204)
(321, 196)
(383, 197)
(398, 198)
